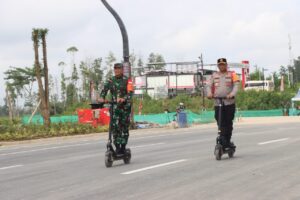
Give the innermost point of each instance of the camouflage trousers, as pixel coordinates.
(120, 121)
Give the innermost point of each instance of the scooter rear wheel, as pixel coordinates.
(231, 153)
(108, 159)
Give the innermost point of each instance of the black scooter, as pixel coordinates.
(220, 149)
(111, 155)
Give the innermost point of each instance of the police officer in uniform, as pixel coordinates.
(224, 84)
(121, 91)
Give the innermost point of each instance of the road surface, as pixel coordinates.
(166, 164)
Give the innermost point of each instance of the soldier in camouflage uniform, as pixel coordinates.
(121, 90)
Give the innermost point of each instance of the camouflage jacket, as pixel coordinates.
(119, 88)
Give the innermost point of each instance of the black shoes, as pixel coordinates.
(232, 145)
(123, 149)
(120, 149)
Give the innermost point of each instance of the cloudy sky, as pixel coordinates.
(181, 30)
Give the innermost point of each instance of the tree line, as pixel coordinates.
(288, 75)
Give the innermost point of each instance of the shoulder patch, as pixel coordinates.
(129, 85)
(234, 77)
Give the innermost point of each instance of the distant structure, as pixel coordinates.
(181, 78)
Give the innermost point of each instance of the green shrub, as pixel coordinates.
(152, 106)
(14, 132)
(262, 100)
(246, 100)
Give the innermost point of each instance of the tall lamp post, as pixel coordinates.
(124, 36)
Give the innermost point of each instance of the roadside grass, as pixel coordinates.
(17, 132)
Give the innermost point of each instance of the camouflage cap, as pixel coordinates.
(118, 65)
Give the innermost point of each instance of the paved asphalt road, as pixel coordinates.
(167, 164)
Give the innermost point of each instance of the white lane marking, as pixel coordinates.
(273, 141)
(45, 149)
(154, 166)
(8, 148)
(147, 145)
(10, 167)
(153, 136)
(167, 134)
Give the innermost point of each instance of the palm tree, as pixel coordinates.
(74, 76)
(9, 101)
(72, 50)
(43, 33)
(63, 82)
(38, 70)
(61, 63)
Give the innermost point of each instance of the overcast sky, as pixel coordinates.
(181, 30)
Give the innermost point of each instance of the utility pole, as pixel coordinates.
(264, 79)
(291, 61)
(202, 82)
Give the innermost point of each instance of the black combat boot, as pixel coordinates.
(118, 149)
(123, 148)
(232, 145)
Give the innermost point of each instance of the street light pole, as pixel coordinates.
(123, 31)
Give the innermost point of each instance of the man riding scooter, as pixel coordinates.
(121, 91)
(224, 85)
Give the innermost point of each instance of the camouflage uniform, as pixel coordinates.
(120, 119)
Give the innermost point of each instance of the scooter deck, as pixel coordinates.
(119, 156)
(227, 150)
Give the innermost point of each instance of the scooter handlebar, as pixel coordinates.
(222, 98)
(111, 102)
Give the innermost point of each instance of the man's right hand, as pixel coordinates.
(101, 100)
(210, 96)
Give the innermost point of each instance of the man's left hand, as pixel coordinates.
(120, 100)
(230, 96)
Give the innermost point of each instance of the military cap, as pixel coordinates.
(222, 61)
(118, 65)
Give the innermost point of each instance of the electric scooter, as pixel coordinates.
(220, 149)
(111, 155)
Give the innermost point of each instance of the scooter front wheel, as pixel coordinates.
(218, 152)
(108, 159)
